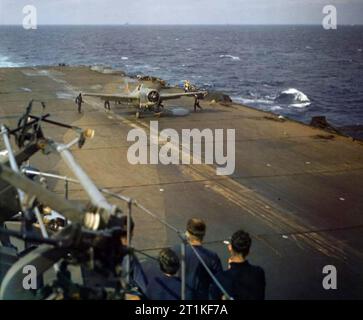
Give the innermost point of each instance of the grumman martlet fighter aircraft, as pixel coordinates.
(143, 98)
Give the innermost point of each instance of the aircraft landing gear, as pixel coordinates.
(138, 115)
(158, 110)
(159, 107)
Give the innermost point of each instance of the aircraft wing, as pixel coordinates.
(112, 97)
(171, 96)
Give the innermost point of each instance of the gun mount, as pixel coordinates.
(86, 237)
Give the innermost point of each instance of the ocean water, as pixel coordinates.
(296, 71)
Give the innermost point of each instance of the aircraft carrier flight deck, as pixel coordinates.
(297, 189)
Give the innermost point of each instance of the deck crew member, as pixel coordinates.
(107, 105)
(196, 103)
(165, 284)
(187, 86)
(242, 281)
(197, 278)
(79, 101)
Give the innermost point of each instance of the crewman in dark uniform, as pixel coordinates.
(196, 103)
(242, 281)
(197, 278)
(165, 285)
(79, 101)
(107, 105)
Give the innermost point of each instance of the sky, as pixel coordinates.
(181, 11)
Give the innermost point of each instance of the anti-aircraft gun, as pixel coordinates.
(91, 236)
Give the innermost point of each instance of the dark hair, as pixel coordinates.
(241, 242)
(121, 222)
(196, 227)
(169, 261)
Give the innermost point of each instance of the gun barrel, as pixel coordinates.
(96, 197)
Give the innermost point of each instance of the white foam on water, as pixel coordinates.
(252, 101)
(293, 98)
(196, 77)
(149, 67)
(5, 63)
(298, 95)
(275, 108)
(124, 58)
(235, 58)
(300, 105)
(266, 103)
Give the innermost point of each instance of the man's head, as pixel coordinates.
(196, 229)
(121, 223)
(240, 244)
(169, 262)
